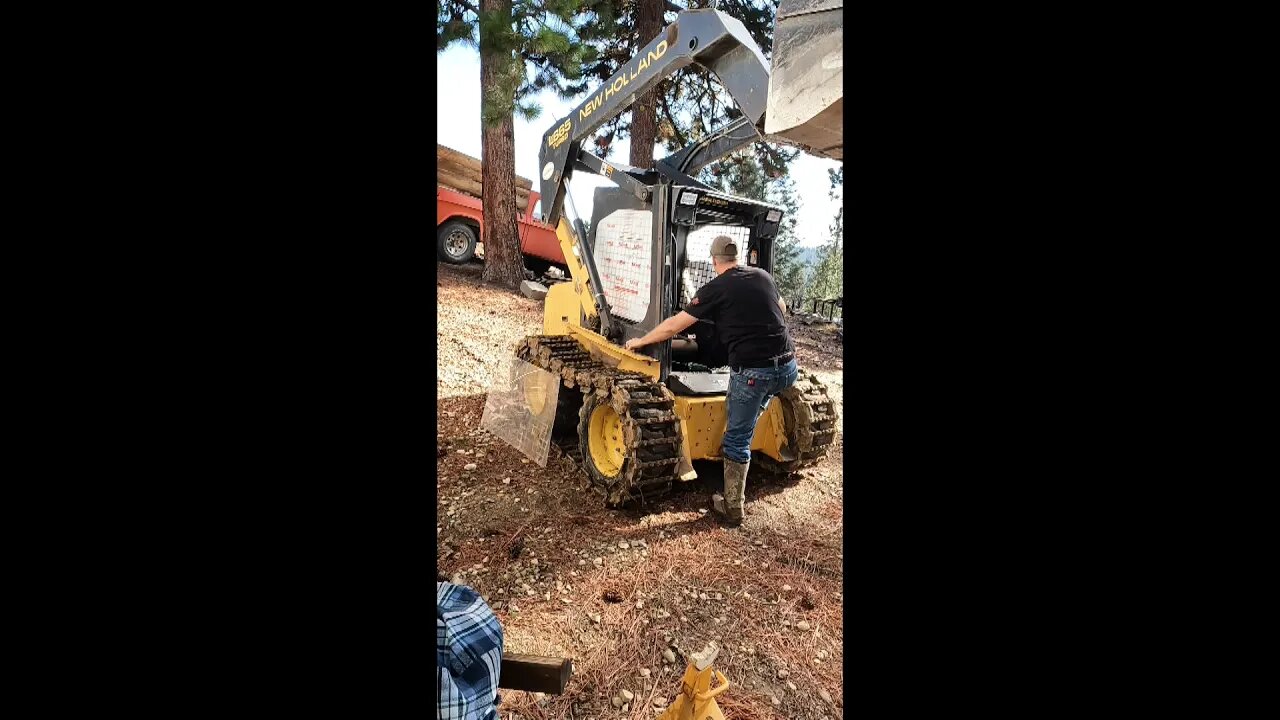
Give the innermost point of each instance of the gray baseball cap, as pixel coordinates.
(724, 246)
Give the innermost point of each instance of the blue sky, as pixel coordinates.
(458, 127)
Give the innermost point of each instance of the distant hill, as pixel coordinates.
(809, 255)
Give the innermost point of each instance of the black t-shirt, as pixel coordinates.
(743, 303)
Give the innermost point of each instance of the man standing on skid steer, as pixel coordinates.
(744, 304)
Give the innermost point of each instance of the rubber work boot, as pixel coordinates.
(729, 505)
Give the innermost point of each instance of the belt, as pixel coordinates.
(774, 361)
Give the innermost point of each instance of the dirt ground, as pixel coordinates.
(616, 589)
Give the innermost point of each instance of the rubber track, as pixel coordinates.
(650, 426)
(811, 421)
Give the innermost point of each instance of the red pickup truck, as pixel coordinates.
(459, 217)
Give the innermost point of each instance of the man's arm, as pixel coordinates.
(665, 331)
(782, 304)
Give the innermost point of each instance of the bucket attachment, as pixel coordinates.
(806, 84)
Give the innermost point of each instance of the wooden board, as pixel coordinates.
(461, 182)
(466, 165)
(447, 172)
(471, 183)
(446, 154)
(451, 168)
(475, 188)
(532, 673)
(522, 203)
(467, 171)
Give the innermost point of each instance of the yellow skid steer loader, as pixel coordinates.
(636, 420)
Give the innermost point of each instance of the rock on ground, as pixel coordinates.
(533, 290)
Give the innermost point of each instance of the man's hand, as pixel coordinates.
(665, 331)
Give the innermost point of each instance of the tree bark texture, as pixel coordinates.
(644, 114)
(503, 264)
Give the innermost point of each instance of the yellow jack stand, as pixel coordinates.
(696, 700)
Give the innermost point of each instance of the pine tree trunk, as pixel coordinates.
(503, 264)
(644, 114)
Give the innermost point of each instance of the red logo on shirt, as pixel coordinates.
(695, 301)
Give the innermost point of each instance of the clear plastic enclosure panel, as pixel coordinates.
(521, 407)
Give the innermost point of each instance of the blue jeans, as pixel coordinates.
(750, 390)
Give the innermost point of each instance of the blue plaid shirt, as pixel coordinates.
(468, 655)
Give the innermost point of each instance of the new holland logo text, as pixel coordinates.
(624, 78)
(558, 137)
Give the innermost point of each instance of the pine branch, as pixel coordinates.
(675, 128)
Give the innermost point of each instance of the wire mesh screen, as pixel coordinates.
(698, 270)
(623, 254)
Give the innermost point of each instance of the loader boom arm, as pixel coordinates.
(710, 38)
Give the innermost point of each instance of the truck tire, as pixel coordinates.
(455, 242)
